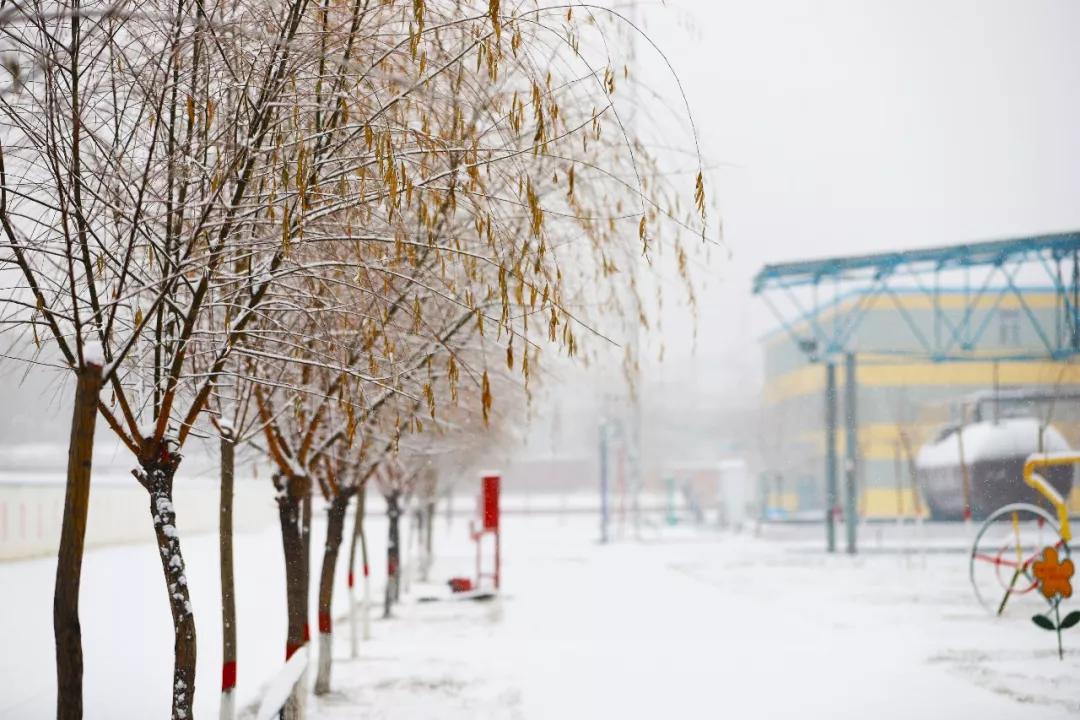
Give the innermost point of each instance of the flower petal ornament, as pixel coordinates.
(1054, 577)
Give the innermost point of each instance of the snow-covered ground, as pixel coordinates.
(686, 623)
(127, 631)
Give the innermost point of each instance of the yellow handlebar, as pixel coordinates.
(1032, 478)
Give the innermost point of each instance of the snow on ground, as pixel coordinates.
(686, 623)
(708, 625)
(127, 631)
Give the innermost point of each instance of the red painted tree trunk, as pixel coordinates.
(393, 554)
(335, 530)
(352, 574)
(292, 492)
(228, 599)
(361, 511)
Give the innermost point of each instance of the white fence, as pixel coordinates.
(32, 486)
(31, 510)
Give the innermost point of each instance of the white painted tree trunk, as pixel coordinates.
(407, 554)
(296, 706)
(353, 625)
(322, 676)
(365, 607)
(228, 704)
(286, 690)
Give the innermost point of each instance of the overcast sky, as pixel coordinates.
(842, 126)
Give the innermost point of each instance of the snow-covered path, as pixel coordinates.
(708, 626)
(687, 625)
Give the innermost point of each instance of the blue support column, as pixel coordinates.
(851, 437)
(832, 497)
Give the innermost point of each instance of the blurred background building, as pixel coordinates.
(902, 403)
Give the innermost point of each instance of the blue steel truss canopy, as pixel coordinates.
(989, 253)
(989, 270)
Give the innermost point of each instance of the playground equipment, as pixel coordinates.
(822, 303)
(968, 471)
(689, 509)
(489, 525)
(1012, 539)
(465, 588)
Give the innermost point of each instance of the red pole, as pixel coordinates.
(498, 563)
(490, 521)
(477, 537)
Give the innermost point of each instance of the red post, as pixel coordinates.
(476, 536)
(491, 502)
(489, 523)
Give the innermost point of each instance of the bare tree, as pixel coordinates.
(353, 213)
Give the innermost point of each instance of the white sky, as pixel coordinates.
(842, 126)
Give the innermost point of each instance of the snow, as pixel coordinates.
(1011, 437)
(281, 686)
(127, 626)
(689, 623)
(148, 429)
(93, 354)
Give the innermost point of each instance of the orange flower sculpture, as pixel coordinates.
(1054, 577)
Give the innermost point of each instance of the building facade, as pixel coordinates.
(903, 396)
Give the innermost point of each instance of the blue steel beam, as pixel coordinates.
(992, 252)
(875, 273)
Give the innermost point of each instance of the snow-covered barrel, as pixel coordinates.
(994, 454)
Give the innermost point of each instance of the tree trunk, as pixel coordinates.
(68, 632)
(291, 493)
(305, 539)
(228, 600)
(393, 554)
(365, 604)
(353, 646)
(335, 530)
(406, 569)
(429, 523)
(157, 477)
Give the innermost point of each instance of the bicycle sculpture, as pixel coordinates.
(1021, 548)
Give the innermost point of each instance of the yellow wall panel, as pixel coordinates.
(811, 379)
(918, 301)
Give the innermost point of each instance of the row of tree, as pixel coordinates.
(331, 231)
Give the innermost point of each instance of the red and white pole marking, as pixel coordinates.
(228, 691)
(365, 605)
(326, 645)
(353, 644)
(296, 704)
(489, 510)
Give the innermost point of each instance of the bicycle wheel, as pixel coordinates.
(1007, 544)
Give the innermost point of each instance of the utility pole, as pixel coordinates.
(852, 439)
(832, 497)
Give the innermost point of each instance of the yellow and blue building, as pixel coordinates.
(904, 394)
